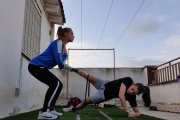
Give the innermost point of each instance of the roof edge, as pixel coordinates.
(62, 10)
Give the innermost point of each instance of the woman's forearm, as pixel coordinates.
(82, 74)
(123, 103)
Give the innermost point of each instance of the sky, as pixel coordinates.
(152, 38)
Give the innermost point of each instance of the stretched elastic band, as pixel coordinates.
(87, 77)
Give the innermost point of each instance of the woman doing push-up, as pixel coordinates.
(123, 88)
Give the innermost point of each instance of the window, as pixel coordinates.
(32, 29)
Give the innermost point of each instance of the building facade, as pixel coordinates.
(26, 29)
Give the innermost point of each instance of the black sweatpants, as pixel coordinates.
(55, 85)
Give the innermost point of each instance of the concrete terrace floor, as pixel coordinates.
(88, 113)
(160, 114)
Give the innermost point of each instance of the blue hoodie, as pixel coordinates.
(52, 56)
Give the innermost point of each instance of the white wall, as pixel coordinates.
(32, 92)
(11, 31)
(166, 93)
(76, 86)
(45, 27)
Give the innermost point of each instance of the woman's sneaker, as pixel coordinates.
(54, 112)
(46, 115)
(69, 109)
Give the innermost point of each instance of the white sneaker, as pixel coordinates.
(54, 112)
(46, 115)
(69, 109)
(78, 117)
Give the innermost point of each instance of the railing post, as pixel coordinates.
(176, 71)
(174, 77)
(171, 73)
(155, 74)
(151, 74)
(166, 74)
(160, 75)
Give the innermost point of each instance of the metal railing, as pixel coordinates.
(167, 72)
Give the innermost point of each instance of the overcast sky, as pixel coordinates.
(152, 38)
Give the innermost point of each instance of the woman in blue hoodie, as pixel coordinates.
(55, 54)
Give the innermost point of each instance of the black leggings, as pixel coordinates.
(55, 85)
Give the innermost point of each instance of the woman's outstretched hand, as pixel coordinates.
(66, 66)
(133, 114)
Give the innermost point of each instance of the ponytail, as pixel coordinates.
(146, 96)
(61, 31)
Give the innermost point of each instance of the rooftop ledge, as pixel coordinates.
(55, 11)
